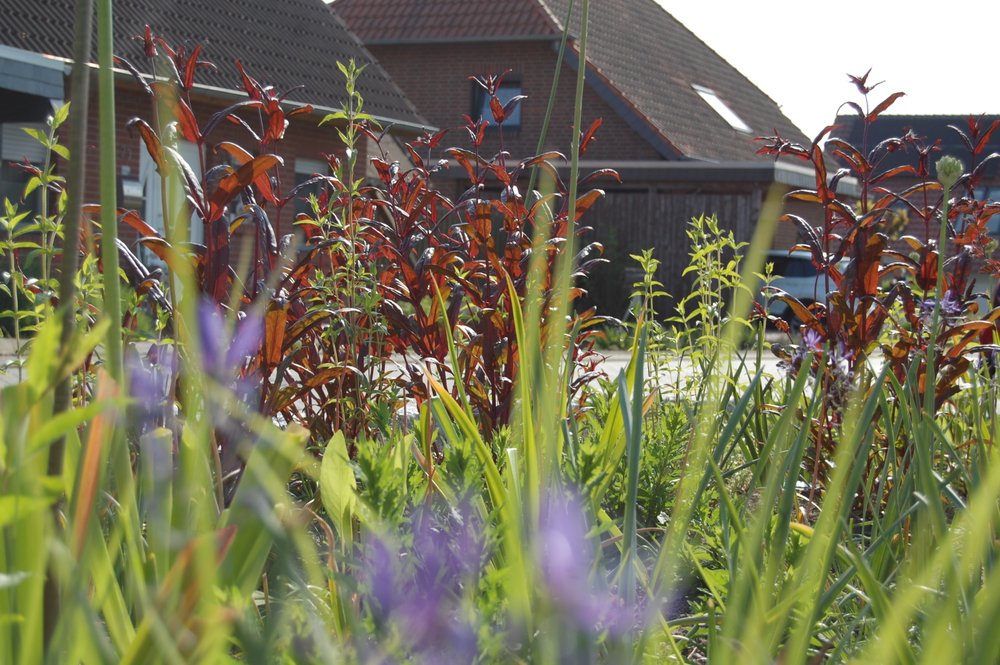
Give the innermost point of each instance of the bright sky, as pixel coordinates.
(799, 52)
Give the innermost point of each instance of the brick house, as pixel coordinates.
(679, 121)
(295, 44)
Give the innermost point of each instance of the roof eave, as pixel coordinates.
(407, 127)
(761, 172)
(32, 73)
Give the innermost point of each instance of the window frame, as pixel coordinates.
(480, 104)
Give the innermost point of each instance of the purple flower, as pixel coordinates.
(566, 558)
(421, 590)
(223, 357)
(951, 305)
(812, 340)
(149, 384)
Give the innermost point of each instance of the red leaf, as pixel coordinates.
(886, 103)
(985, 138)
(239, 180)
(152, 141)
(263, 183)
(167, 94)
(584, 203)
(136, 76)
(465, 159)
(250, 85)
(893, 172)
(274, 333)
(861, 82)
(149, 46)
(849, 154)
(601, 173)
(132, 219)
(497, 109)
(227, 113)
(302, 110)
(588, 136)
(511, 104)
(190, 67)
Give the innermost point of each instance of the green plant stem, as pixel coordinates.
(46, 256)
(14, 303)
(79, 93)
(550, 105)
(80, 89)
(554, 349)
(929, 385)
(109, 204)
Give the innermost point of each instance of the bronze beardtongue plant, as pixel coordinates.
(920, 324)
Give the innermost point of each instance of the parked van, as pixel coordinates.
(795, 274)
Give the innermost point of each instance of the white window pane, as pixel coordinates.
(720, 107)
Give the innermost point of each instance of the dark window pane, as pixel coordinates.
(505, 93)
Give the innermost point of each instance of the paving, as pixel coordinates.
(614, 362)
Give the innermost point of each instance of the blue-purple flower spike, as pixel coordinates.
(223, 358)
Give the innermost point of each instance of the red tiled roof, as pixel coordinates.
(646, 63)
(653, 61)
(408, 21)
(286, 44)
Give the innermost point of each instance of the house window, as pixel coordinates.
(720, 107)
(305, 169)
(152, 185)
(506, 92)
(16, 146)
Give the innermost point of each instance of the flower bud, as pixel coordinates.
(949, 170)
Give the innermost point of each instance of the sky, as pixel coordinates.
(799, 52)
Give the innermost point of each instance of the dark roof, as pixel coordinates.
(930, 129)
(284, 44)
(410, 22)
(645, 61)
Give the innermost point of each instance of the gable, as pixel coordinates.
(669, 86)
(436, 80)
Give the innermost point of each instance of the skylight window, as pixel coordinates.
(719, 106)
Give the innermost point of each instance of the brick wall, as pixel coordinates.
(303, 139)
(435, 78)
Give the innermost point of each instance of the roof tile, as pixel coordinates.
(653, 61)
(446, 19)
(287, 44)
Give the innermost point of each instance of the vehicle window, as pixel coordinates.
(800, 268)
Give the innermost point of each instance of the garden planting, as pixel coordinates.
(379, 432)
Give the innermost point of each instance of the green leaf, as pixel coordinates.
(330, 117)
(60, 114)
(61, 424)
(338, 486)
(17, 507)
(36, 134)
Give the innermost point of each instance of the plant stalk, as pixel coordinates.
(79, 93)
(109, 204)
